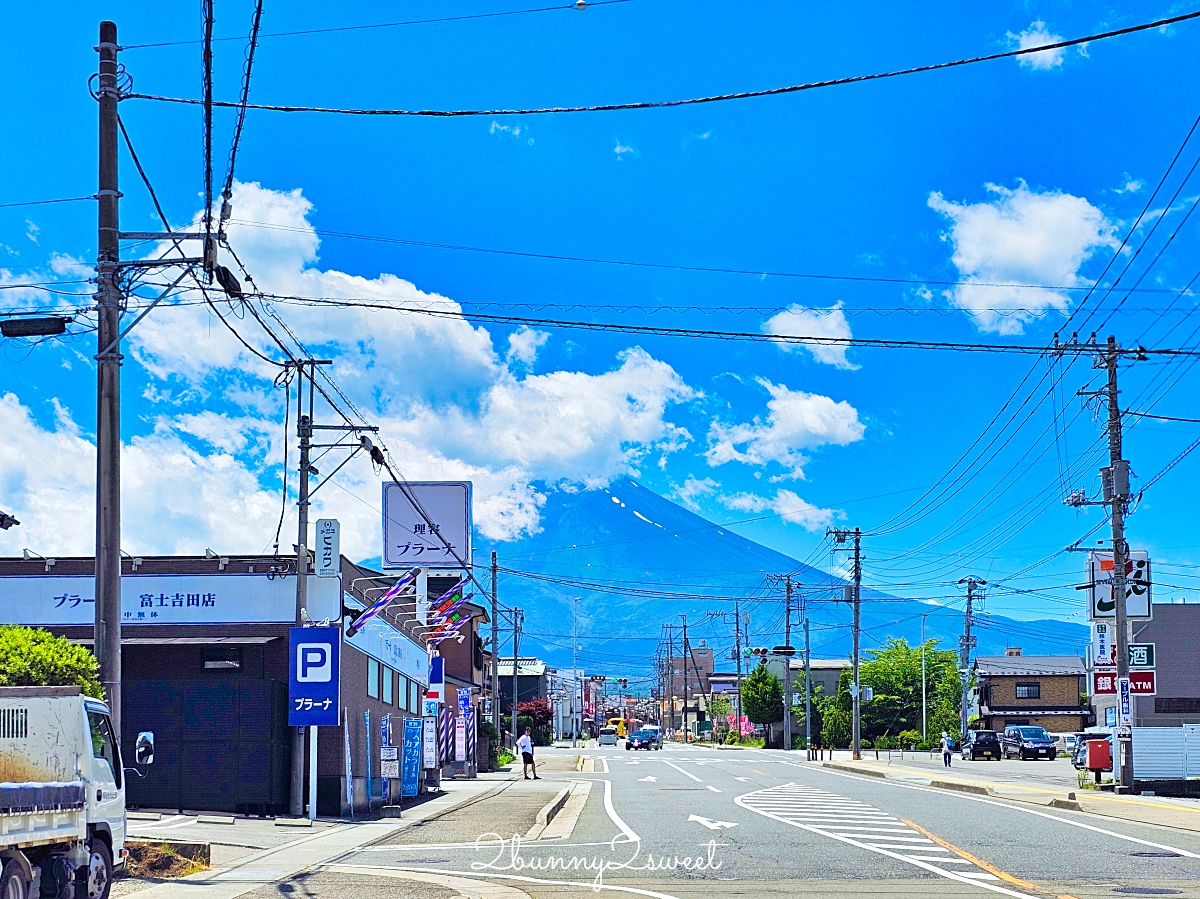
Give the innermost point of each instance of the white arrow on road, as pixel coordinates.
(742, 779)
(710, 824)
(647, 779)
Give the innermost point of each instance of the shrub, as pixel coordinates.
(35, 658)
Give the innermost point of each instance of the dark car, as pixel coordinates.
(642, 739)
(981, 744)
(1026, 741)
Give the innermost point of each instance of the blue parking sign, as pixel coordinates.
(314, 676)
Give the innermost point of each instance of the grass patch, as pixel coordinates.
(160, 860)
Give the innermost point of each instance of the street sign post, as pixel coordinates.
(1124, 703)
(329, 547)
(313, 676)
(389, 762)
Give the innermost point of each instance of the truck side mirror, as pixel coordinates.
(143, 749)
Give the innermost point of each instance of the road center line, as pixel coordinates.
(683, 772)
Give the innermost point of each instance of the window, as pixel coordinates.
(372, 678)
(414, 696)
(1029, 691)
(402, 692)
(222, 658)
(388, 681)
(1167, 706)
(103, 745)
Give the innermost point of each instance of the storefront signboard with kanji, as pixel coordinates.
(426, 523)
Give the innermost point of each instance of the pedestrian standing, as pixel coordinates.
(525, 747)
(947, 749)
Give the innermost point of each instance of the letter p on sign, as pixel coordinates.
(312, 663)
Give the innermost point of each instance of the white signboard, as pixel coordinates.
(389, 761)
(329, 547)
(460, 739)
(429, 743)
(1104, 645)
(411, 538)
(381, 641)
(1137, 586)
(66, 600)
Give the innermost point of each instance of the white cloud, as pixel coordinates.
(1020, 237)
(787, 505)
(693, 488)
(799, 321)
(523, 345)
(795, 421)
(1130, 186)
(621, 150)
(510, 130)
(1036, 35)
(448, 405)
(32, 231)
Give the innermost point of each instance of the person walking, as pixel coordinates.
(947, 749)
(525, 747)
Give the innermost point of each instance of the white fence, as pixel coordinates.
(1167, 753)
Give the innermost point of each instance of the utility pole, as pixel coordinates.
(787, 666)
(924, 717)
(107, 634)
(518, 619)
(737, 655)
(965, 643)
(495, 650)
(1119, 497)
(840, 536)
(807, 691)
(576, 690)
(684, 653)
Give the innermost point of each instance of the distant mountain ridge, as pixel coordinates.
(637, 560)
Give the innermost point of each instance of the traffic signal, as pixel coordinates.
(761, 652)
(623, 681)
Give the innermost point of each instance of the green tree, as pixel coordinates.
(894, 674)
(36, 658)
(719, 708)
(762, 696)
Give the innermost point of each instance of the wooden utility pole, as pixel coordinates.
(108, 382)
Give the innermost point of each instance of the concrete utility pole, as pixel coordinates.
(807, 690)
(1119, 497)
(924, 717)
(304, 430)
(107, 633)
(518, 618)
(577, 687)
(840, 536)
(495, 650)
(965, 644)
(787, 666)
(737, 655)
(684, 654)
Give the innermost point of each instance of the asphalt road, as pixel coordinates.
(687, 821)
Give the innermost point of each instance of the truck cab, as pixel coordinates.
(62, 792)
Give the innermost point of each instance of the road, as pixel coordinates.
(688, 821)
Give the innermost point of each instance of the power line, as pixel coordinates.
(693, 101)
(700, 333)
(227, 193)
(667, 266)
(46, 202)
(1193, 421)
(378, 25)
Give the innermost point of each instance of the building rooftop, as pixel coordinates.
(529, 667)
(1009, 666)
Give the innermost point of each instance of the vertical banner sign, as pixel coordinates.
(464, 702)
(460, 739)
(429, 742)
(314, 669)
(471, 749)
(367, 728)
(1104, 649)
(385, 731)
(349, 766)
(329, 547)
(410, 763)
(437, 679)
(1124, 702)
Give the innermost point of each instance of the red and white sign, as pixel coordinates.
(1141, 683)
(1104, 683)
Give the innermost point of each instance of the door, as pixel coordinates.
(106, 797)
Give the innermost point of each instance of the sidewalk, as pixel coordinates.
(1181, 814)
(329, 842)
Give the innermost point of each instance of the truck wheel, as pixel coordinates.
(94, 881)
(13, 884)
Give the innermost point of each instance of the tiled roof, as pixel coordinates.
(1001, 666)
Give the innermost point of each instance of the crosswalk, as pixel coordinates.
(865, 826)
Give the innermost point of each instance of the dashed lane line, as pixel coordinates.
(682, 771)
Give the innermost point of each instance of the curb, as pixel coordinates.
(554, 806)
(961, 787)
(850, 768)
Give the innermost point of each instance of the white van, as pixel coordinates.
(608, 736)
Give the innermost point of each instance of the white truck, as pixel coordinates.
(62, 794)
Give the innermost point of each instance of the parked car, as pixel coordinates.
(1026, 741)
(641, 739)
(981, 744)
(608, 736)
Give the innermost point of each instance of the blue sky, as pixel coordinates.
(1025, 171)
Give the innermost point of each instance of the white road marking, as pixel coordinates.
(714, 789)
(682, 771)
(648, 779)
(492, 875)
(807, 800)
(742, 779)
(616, 819)
(711, 824)
(633, 763)
(1014, 807)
